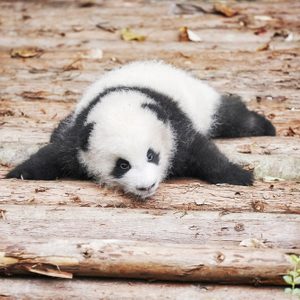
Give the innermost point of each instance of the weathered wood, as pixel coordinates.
(274, 197)
(131, 259)
(20, 288)
(174, 226)
(36, 93)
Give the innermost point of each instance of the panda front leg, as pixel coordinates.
(42, 165)
(205, 161)
(234, 119)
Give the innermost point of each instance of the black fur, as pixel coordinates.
(118, 172)
(155, 156)
(233, 119)
(195, 155)
(158, 110)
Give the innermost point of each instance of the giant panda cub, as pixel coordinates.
(142, 123)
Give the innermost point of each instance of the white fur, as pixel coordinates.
(197, 99)
(123, 129)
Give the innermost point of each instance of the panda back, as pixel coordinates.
(195, 98)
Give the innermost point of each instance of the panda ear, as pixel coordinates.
(84, 136)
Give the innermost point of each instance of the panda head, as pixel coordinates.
(130, 146)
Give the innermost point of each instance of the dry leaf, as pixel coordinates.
(253, 243)
(75, 65)
(225, 10)
(187, 35)
(128, 35)
(26, 52)
(263, 47)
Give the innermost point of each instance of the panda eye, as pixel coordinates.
(152, 156)
(123, 164)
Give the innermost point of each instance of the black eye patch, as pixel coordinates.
(122, 166)
(153, 156)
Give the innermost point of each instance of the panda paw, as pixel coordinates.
(21, 173)
(238, 176)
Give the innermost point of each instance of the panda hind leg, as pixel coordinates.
(233, 119)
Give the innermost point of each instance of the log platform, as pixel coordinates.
(192, 240)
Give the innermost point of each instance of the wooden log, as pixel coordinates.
(155, 261)
(22, 288)
(28, 222)
(275, 197)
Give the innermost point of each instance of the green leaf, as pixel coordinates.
(128, 35)
(288, 279)
(294, 259)
(297, 280)
(288, 290)
(296, 292)
(293, 273)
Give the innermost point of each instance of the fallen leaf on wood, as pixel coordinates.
(188, 9)
(106, 27)
(225, 10)
(263, 47)
(26, 52)
(187, 35)
(253, 243)
(75, 65)
(92, 54)
(128, 35)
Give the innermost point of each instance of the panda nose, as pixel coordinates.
(145, 188)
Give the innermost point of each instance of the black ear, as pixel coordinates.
(84, 136)
(44, 165)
